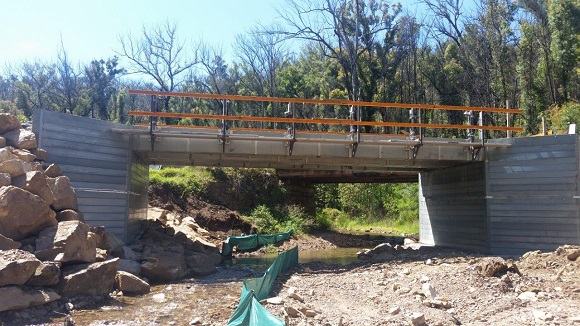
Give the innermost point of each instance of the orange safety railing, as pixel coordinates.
(325, 121)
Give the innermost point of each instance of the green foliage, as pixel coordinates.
(361, 206)
(565, 114)
(270, 221)
(187, 180)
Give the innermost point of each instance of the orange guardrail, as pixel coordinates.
(325, 121)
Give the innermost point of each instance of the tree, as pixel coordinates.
(160, 55)
(101, 76)
(36, 86)
(261, 57)
(344, 30)
(69, 83)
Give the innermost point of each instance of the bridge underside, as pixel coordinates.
(387, 156)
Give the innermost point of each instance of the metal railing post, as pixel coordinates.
(507, 119)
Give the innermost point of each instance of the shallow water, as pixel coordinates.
(209, 298)
(341, 256)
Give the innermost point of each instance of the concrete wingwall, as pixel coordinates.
(109, 179)
(523, 197)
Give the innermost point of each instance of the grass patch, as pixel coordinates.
(338, 220)
(182, 180)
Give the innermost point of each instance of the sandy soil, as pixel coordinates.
(446, 287)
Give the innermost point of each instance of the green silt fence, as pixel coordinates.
(249, 311)
(253, 241)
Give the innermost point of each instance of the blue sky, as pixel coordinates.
(32, 29)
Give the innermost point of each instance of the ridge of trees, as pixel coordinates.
(526, 52)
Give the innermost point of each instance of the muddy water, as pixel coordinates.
(211, 300)
(341, 256)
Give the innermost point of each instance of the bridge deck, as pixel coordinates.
(293, 148)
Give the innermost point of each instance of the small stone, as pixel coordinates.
(292, 312)
(542, 316)
(292, 289)
(296, 296)
(437, 303)
(429, 262)
(574, 255)
(405, 271)
(527, 296)
(403, 290)
(430, 291)
(195, 321)
(394, 310)
(308, 312)
(159, 297)
(506, 279)
(275, 301)
(396, 286)
(425, 279)
(575, 319)
(417, 318)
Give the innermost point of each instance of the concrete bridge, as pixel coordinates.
(500, 196)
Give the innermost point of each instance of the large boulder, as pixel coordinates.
(7, 155)
(35, 182)
(129, 283)
(5, 179)
(67, 242)
(125, 252)
(16, 266)
(7, 243)
(40, 154)
(64, 195)
(23, 154)
(21, 139)
(8, 122)
(89, 279)
(53, 171)
(110, 242)
(23, 214)
(164, 266)
(129, 266)
(70, 215)
(46, 274)
(15, 167)
(200, 264)
(382, 252)
(14, 297)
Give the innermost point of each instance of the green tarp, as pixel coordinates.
(249, 311)
(253, 241)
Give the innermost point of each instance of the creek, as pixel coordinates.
(210, 299)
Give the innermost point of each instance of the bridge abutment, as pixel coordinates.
(522, 197)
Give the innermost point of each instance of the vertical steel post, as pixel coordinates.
(507, 106)
(153, 122)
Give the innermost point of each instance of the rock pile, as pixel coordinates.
(48, 252)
